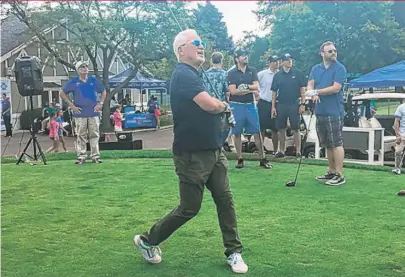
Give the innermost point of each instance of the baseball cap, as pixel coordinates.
(240, 52)
(80, 63)
(286, 56)
(273, 58)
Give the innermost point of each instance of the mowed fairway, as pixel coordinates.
(68, 220)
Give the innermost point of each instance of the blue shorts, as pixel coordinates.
(246, 117)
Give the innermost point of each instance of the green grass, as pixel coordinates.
(67, 220)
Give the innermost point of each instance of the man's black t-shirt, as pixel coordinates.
(288, 86)
(237, 77)
(194, 129)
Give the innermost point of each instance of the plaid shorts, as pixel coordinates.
(330, 131)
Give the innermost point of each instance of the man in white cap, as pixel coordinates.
(86, 110)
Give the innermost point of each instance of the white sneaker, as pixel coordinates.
(396, 171)
(237, 264)
(152, 254)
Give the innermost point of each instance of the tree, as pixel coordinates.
(365, 33)
(137, 31)
(211, 28)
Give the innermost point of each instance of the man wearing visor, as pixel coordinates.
(264, 105)
(244, 87)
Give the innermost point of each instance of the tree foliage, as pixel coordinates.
(139, 32)
(366, 34)
(209, 25)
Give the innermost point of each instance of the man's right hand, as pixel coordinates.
(75, 109)
(273, 113)
(398, 140)
(243, 87)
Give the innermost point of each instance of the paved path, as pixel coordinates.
(161, 139)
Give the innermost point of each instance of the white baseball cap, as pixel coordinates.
(80, 63)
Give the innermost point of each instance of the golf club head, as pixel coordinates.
(290, 184)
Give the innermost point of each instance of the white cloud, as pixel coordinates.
(239, 17)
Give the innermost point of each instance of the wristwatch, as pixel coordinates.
(101, 103)
(302, 104)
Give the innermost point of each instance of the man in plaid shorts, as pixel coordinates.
(325, 85)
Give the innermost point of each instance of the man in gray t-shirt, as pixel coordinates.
(264, 105)
(399, 127)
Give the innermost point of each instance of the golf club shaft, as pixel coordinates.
(304, 142)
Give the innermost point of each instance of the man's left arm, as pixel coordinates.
(100, 89)
(8, 108)
(255, 84)
(338, 81)
(303, 83)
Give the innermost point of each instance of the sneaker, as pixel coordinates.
(237, 264)
(152, 254)
(298, 155)
(265, 164)
(337, 180)
(328, 176)
(97, 161)
(240, 164)
(279, 155)
(80, 161)
(396, 171)
(401, 193)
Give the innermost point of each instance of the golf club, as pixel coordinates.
(294, 183)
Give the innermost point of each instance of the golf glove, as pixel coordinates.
(311, 93)
(243, 87)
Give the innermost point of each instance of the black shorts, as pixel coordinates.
(288, 111)
(330, 131)
(265, 120)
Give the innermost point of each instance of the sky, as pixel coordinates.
(238, 17)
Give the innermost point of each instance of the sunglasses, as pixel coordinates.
(83, 66)
(332, 51)
(196, 43)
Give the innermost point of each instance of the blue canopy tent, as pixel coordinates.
(133, 118)
(138, 82)
(389, 76)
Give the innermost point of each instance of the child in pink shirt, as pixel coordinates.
(53, 133)
(118, 119)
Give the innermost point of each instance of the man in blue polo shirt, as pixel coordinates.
(86, 111)
(325, 85)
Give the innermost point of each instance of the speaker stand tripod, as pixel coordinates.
(37, 154)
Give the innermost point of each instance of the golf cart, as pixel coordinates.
(361, 113)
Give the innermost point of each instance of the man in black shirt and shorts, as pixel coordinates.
(197, 154)
(288, 87)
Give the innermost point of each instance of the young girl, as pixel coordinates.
(153, 107)
(59, 119)
(118, 119)
(53, 133)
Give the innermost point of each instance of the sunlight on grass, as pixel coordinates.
(69, 220)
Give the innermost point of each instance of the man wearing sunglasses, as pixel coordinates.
(86, 110)
(325, 85)
(244, 88)
(197, 155)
